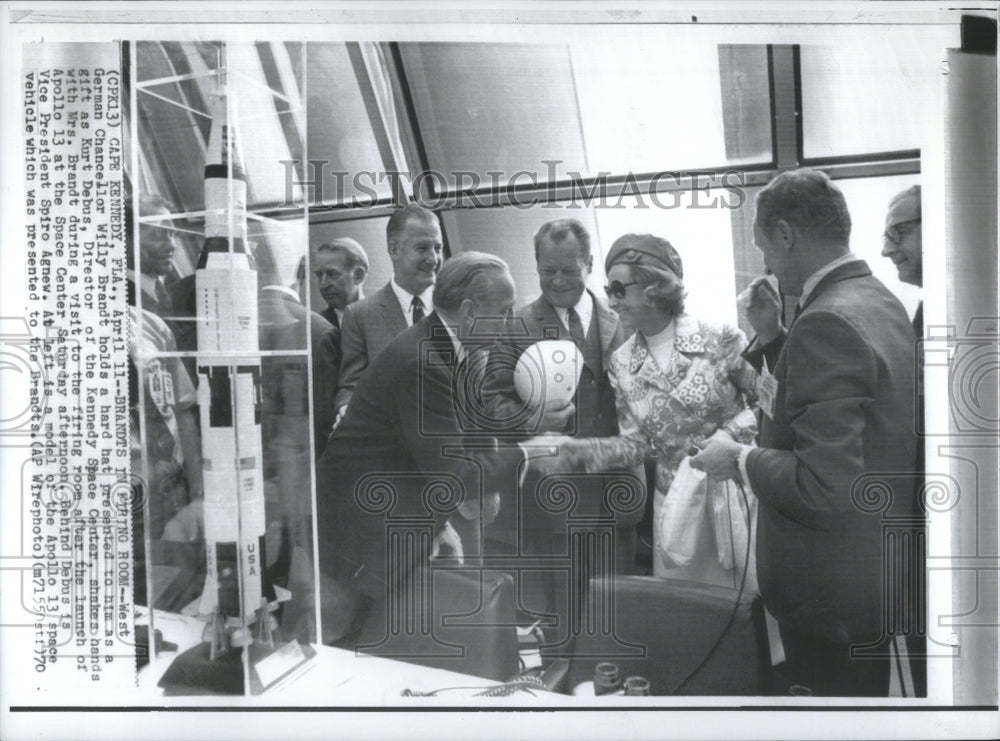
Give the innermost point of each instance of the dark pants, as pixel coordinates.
(828, 670)
(471, 536)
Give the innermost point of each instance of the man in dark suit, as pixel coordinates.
(282, 325)
(340, 267)
(415, 248)
(408, 452)
(565, 310)
(157, 246)
(835, 452)
(903, 244)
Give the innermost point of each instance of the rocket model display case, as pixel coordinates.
(224, 433)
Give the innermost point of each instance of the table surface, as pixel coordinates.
(334, 677)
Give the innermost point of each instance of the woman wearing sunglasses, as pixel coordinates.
(677, 380)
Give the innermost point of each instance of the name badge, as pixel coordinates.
(767, 392)
(161, 387)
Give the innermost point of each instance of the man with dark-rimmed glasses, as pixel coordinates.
(902, 244)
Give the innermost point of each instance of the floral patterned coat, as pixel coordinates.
(706, 385)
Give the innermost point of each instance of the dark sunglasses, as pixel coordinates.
(617, 289)
(895, 235)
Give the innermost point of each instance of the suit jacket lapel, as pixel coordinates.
(390, 313)
(645, 368)
(854, 269)
(607, 325)
(688, 341)
(545, 315)
(440, 343)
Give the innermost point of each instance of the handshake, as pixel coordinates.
(551, 453)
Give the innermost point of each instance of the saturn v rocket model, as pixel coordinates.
(229, 393)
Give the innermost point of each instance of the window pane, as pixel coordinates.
(509, 233)
(660, 104)
(175, 117)
(495, 107)
(699, 226)
(860, 98)
(340, 130)
(868, 201)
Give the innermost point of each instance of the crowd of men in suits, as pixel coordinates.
(425, 423)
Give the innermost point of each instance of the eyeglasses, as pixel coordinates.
(617, 289)
(895, 234)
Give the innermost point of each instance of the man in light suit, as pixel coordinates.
(565, 310)
(414, 241)
(836, 447)
(408, 439)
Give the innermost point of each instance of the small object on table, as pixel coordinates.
(636, 686)
(606, 682)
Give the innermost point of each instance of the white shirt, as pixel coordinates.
(459, 349)
(584, 309)
(405, 299)
(147, 283)
(810, 285)
(661, 345)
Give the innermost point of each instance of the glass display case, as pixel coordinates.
(228, 378)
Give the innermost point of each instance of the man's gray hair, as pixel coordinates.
(350, 249)
(469, 275)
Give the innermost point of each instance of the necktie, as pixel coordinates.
(417, 306)
(164, 306)
(334, 319)
(576, 328)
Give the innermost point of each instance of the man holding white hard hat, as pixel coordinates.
(566, 311)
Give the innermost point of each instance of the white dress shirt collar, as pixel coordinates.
(405, 299)
(661, 344)
(147, 283)
(459, 349)
(810, 285)
(584, 309)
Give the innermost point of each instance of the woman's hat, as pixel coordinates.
(644, 249)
